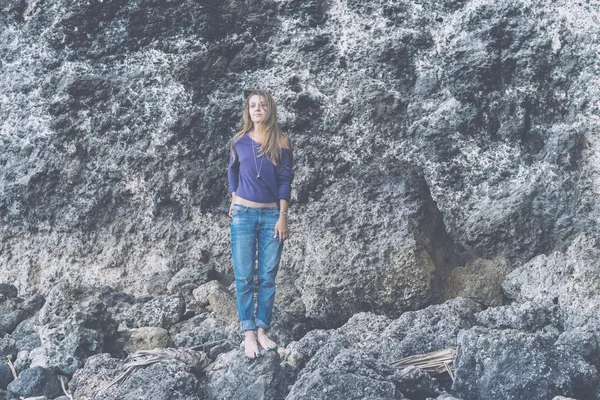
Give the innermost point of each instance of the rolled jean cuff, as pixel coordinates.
(261, 324)
(248, 325)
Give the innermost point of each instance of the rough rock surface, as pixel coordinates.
(161, 311)
(97, 373)
(74, 326)
(169, 380)
(427, 135)
(514, 365)
(147, 338)
(117, 115)
(233, 376)
(349, 267)
(479, 280)
(569, 279)
(221, 300)
(36, 381)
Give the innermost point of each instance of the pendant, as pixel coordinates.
(258, 176)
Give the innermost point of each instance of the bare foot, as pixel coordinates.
(264, 340)
(250, 345)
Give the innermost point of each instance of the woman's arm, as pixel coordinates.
(281, 227)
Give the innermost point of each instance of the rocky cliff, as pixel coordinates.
(442, 149)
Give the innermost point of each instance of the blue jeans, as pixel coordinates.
(252, 229)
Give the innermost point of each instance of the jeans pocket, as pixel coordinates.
(238, 211)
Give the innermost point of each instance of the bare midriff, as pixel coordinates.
(248, 203)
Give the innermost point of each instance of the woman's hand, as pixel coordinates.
(281, 228)
(232, 203)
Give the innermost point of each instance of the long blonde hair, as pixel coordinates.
(273, 138)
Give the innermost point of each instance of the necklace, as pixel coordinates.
(255, 163)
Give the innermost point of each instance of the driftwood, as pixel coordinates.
(434, 363)
(143, 358)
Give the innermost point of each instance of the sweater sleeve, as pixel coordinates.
(233, 173)
(285, 174)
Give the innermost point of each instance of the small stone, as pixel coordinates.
(36, 381)
(147, 338)
(157, 284)
(162, 311)
(8, 290)
(195, 276)
(221, 301)
(6, 375)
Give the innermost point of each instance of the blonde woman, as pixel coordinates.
(260, 175)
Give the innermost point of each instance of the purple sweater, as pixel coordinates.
(275, 182)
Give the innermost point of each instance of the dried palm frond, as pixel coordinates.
(143, 358)
(433, 363)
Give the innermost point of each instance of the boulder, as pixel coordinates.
(360, 257)
(167, 380)
(6, 375)
(161, 311)
(97, 373)
(147, 338)
(325, 384)
(530, 316)
(234, 376)
(568, 279)
(221, 301)
(36, 381)
(75, 325)
(9, 291)
(515, 365)
(479, 280)
(190, 277)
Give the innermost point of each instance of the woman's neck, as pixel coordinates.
(255, 135)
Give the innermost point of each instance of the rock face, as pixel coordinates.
(439, 147)
(116, 126)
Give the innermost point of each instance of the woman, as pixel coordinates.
(260, 176)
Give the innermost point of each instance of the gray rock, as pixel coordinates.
(514, 365)
(569, 279)
(36, 381)
(4, 395)
(349, 267)
(97, 373)
(529, 316)
(581, 341)
(8, 348)
(32, 304)
(479, 280)
(10, 315)
(195, 276)
(157, 284)
(221, 301)
(23, 360)
(169, 380)
(162, 311)
(233, 376)
(76, 325)
(6, 375)
(378, 337)
(207, 331)
(325, 384)
(416, 384)
(8, 290)
(25, 336)
(147, 338)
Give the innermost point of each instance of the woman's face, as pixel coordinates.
(257, 106)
